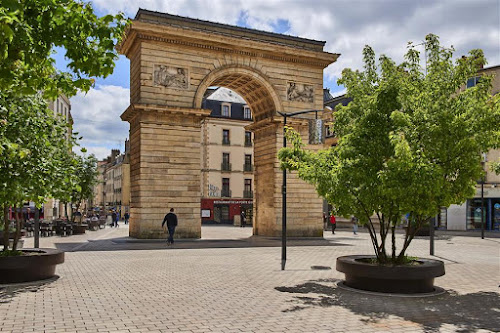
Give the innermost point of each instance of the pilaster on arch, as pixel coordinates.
(250, 83)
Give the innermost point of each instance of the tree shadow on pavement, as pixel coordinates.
(9, 291)
(468, 312)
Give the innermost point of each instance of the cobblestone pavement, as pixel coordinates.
(231, 282)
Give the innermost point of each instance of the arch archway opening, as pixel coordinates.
(227, 165)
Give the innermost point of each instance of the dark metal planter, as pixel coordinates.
(401, 279)
(39, 266)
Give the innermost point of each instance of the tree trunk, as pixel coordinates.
(18, 229)
(6, 225)
(393, 231)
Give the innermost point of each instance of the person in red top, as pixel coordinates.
(333, 222)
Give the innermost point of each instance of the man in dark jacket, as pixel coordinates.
(171, 220)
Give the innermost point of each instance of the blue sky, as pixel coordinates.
(346, 26)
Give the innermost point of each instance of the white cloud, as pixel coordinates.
(347, 26)
(97, 118)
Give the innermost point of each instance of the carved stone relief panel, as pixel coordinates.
(299, 92)
(172, 77)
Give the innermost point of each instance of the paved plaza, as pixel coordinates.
(231, 282)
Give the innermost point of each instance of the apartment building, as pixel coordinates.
(113, 190)
(54, 208)
(227, 161)
(468, 215)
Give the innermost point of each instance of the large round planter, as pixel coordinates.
(39, 265)
(400, 279)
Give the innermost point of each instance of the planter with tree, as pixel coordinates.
(36, 161)
(410, 142)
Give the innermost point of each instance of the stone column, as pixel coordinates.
(304, 207)
(165, 161)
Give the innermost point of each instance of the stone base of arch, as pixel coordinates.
(304, 207)
(165, 160)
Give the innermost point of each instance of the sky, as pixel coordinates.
(346, 26)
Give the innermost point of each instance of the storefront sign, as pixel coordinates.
(233, 202)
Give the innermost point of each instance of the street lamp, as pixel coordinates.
(283, 187)
(482, 196)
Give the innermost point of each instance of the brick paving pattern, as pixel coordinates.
(231, 282)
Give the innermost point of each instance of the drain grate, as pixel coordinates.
(320, 268)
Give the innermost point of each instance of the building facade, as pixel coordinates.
(113, 189)
(227, 161)
(467, 216)
(54, 208)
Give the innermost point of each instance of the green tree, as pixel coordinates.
(35, 160)
(86, 179)
(29, 31)
(34, 154)
(409, 142)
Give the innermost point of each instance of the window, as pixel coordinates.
(225, 187)
(226, 166)
(247, 114)
(226, 110)
(248, 139)
(329, 130)
(248, 163)
(247, 190)
(225, 137)
(473, 81)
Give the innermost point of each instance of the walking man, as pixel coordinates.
(171, 220)
(243, 218)
(126, 216)
(114, 219)
(354, 221)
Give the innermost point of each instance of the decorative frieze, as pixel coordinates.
(299, 92)
(170, 77)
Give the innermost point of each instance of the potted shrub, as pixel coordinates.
(408, 143)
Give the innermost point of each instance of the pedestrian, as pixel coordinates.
(354, 221)
(126, 216)
(243, 218)
(117, 219)
(333, 222)
(114, 222)
(171, 220)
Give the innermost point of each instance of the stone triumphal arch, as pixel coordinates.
(173, 60)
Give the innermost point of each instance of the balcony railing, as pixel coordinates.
(248, 143)
(226, 142)
(247, 167)
(225, 193)
(247, 194)
(225, 166)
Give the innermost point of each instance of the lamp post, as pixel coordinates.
(283, 186)
(482, 198)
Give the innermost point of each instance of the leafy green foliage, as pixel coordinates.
(409, 142)
(36, 161)
(29, 31)
(86, 178)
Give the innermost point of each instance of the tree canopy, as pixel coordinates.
(29, 31)
(410, 141)
(36, 161)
